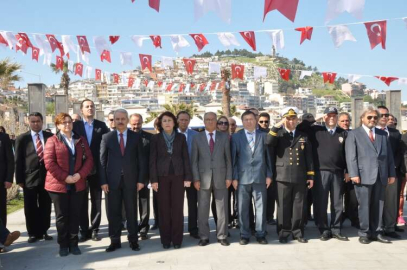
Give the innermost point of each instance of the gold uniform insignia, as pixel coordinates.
(341, 139)
(302, 146)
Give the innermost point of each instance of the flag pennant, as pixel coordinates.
(305, 73)
(55, 44)
(213, 85)
(79, 69)
(25, 39)
(105, 56)
(21, 44)
(214, 67)
(189, 65)
(376, 31)
(155, 4)
(260, 72)
(130, 82)
(277, 36)
(405, 20)
(101, 44)
(10, 38)
(169, 86)
(178, 42)
(228, 39)
(126, 58)
(329, 77)
(284, 73)
(237, 71)
(71, 66)
(3, 40)
(222, 8)
(35, 53)
(145, 61)
(353, 77)
(286, 7)
(336, 7)
(339, 34)
(167, 62)
(156, 41)
(200, 41)
(250, 38)
(202, 87)
(138, 40)
(159, 83)
(68, 44)
(145, 82)
(59, 64)
(181, 87)
(387, 80)
(116, 78)
(113, 39)
(83, 44)
(98, 74)
(402, 81)
(306, 33)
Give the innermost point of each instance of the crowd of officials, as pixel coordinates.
(238, 175)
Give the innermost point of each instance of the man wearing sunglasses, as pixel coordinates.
(110, 121)
(391, 198)
(371, 167)
(264, 122)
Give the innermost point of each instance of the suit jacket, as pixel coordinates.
(112, 164)
(369, 160)
(191, 134)
(395, 143)
(28, 169)
(206, 165)
(6, 159)
(293, 160)
(248, 167)
(160, 160)
(145, 142)
(99, 129)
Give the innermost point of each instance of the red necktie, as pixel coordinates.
(121, 144)
(371, 136)
(211, 143)
(40, 150)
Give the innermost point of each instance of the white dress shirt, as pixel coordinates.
(208, 137)
(34, 138)
(185, 133)
(290, 131)
(329, 130)
(70, 143)
(248, 136)
(368, 131)
(124, 136)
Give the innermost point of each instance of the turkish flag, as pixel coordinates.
(145, 82)
(200, 41)
(376, 31)
(202, 87)
(285, 74)
(2, 40)
(21, 45)
(156, 41)
(116, 78)
(237, 71)
(155, 4)
(130, 82)
(250, 38)
(98, 75)
(79, 69)
(189, 65)
(113, 39)
(83, 44)
(213, 85)
(59, 63)
(105, 56)
(53, 42)
(160, 83)
(35, 53)
(145, 61)
(387, 80)
(329, 77)
(192, 85)
(181, 87)
(169, 87)
(23, 38)
(286, 7)
(306, 33)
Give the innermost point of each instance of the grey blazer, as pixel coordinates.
(248, 167)
(368, 160)
(206, 165)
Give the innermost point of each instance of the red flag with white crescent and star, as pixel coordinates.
(160, 83)
(250, 38)
(105, 56)
(181, 87)
(113, 39)
(202, 87)
(145, 82)
(200, 41)
(306, 33)
(329, 77)
(116, 78)
(2, 40)
(156, 41)
(237, 71)
(79, 69)
(21, 45)
(59, 63)
(35, 53)
(189, 65)
(192, 85)
(83, 44)
(377, 31)
(53, 42)
(98, 75)
(387, 80)
(23, 37)
(213, 85)
(155, 4)
(169, 87)
(285, 74)
(130, 82)
(145, 60)
(286, 7)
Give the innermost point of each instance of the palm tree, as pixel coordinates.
(233, 111)
(176, 108)
(65, 79)
(225, 74)
(7, 72)
(151, 117)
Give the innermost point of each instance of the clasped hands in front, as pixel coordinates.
(72, 179)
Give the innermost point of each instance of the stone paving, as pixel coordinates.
(332, 254)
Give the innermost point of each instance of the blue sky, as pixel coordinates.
(121, 17)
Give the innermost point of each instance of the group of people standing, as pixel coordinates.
(239, 175)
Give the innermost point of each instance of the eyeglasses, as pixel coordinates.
(385, 115)
(263, 122)
(66, 123)
(221, 123)
(370, 117)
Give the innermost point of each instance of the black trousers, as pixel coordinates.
(3, 232)
(3, 204)
(328, 186)
(94, 189)
(155, 209)
(67, 212)
(271, 201)
(351, 203)
(192, 197)
(144, 209)
(391, 205)
(37, 210)
(290, 209)
(116, 197)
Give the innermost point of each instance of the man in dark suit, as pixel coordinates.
(30, 175)
(122, 167)
(391, 194)
(292, 155)
(183, 119)
(371, 167)
(136, 124)
(93, 130)
(6, 173)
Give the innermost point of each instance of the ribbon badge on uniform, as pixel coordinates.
(341, 139)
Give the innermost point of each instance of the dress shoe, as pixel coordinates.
(48, 237)
(11, 237)
(143, 236)
(380, 238)
(398, 229)
(262, 240)
(364, 240)
(154, 227)
(134, 246)
(223, 242)
(113, 247)
(393, 235)
(203, 242)
(325, 236)
(63, 252)
(166, 246)
(301, 240)
(340, 237)
(177, 246)
(244, 241)
(283, 240)
(2, 250)
(272, 222)
(32, 239)
(194, 235)
(95, 236)
(75, 250)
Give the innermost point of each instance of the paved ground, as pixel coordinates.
(332, 254)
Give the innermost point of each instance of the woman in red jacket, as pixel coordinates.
(68, 161)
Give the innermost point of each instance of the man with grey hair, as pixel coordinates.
(76, 117)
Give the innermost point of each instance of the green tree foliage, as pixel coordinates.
(8, 70)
